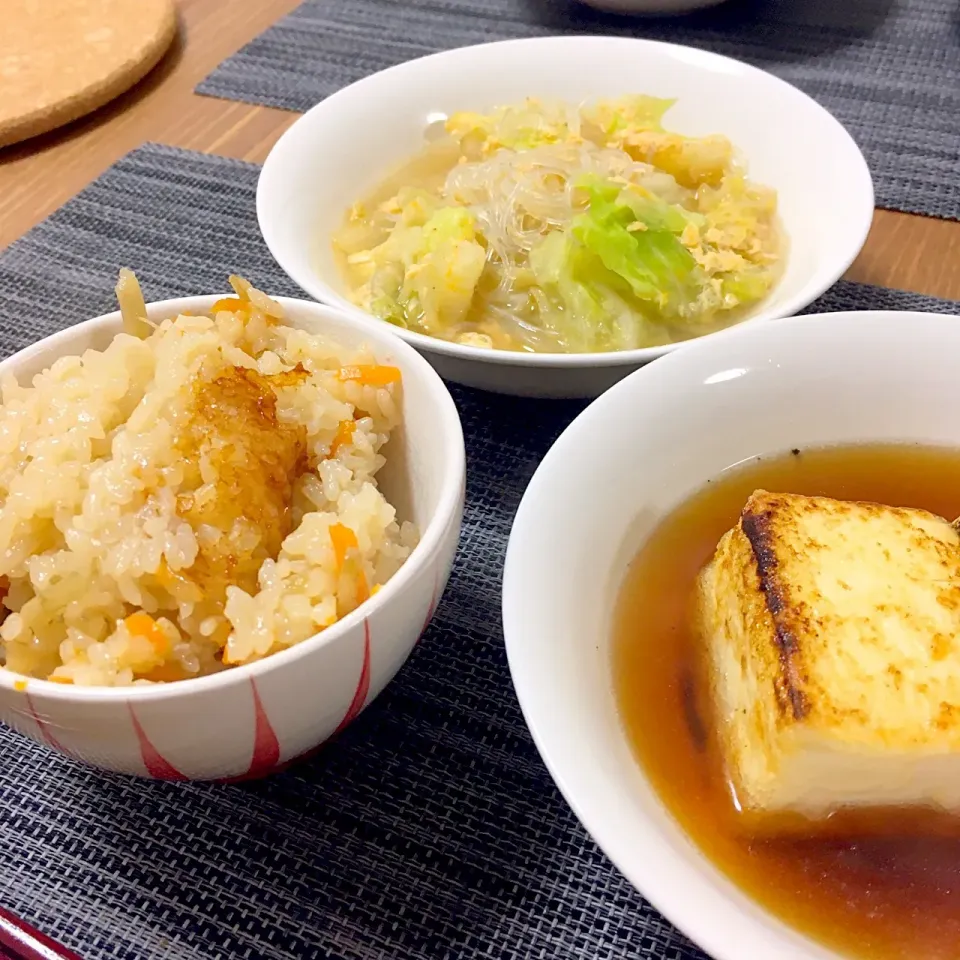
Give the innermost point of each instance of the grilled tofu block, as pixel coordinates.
(833, 635)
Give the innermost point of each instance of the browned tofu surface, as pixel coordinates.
(833, 635)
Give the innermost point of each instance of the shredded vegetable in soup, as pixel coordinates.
(548, 228)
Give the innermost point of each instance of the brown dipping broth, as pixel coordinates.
(878, 885)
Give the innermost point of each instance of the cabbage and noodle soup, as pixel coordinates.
(200, 494)
(547, 228)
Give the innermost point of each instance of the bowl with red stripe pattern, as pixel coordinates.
(255, 718)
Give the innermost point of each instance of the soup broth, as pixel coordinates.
(549, 228)
(878, 885)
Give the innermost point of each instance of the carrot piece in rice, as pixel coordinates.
(231, 305)
(141, 624)
(371, 374)
(166, 673)
(343, 435)
(343, 539)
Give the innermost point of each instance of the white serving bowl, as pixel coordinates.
(249, 720)
(335, 153)
(633, 455)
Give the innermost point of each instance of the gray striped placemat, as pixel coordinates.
(430, 828)
(888, 69)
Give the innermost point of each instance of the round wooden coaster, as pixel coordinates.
(61, 59)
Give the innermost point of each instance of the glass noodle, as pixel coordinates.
(554, 229)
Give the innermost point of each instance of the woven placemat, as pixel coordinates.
(430, 828)
(888, 69)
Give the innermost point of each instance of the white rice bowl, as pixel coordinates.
(111, 573)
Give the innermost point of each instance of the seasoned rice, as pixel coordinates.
(195, 499)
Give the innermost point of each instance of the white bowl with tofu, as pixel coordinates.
(607, 489)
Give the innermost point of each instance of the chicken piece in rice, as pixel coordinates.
(193, 498)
